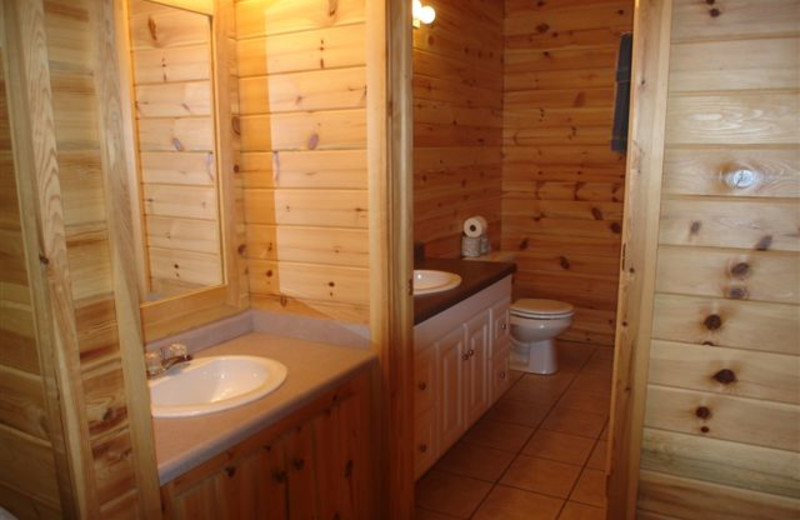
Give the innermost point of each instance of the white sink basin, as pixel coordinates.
(429, 282)
(212, 384)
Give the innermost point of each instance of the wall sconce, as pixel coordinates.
(422, 14)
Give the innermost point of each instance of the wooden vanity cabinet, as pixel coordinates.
(461, 368)
(315, 463)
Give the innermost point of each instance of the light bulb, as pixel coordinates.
(427, 15)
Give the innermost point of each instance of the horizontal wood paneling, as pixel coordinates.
(560, 178)
(458, 119)
(722, 436)
(302, 87)
(692, 499)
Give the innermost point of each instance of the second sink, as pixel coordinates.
(429, 282)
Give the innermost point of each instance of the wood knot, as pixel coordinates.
(230, 470)
(714, 12)
(242, 249)
(236, 125)
(523, 245)
(43, 259)
(705, 429)
(542, 28)
(738, 293)
(313, 141)
(713, 322)
(765, 243)
(299, 464)
(348, 469)
(564, 262)
(740, 270)
(702, 412)
(725, 376)
(695, 227)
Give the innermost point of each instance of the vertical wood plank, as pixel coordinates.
(652, 24)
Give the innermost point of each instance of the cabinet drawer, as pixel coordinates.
(424, 442)
(424, 379)
(501, 325)
(500, 378)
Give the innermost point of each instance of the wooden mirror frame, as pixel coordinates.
(175, 314)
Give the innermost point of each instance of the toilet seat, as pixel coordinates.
(541, 309)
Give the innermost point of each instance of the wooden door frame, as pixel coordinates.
(643, 174)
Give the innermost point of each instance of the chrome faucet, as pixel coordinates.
(158, 362)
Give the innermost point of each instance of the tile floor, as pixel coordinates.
(538, 453)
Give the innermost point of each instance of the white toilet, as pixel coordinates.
(534, 326)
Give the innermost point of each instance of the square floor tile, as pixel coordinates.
(517, 412)
(586, 401)
(452, 495)
(575, 422)
(471, 460)
(576, 511)
(591, 488)
(604, 352)
(572, 356)
(542, 476)
(600, 365)
(423, 514)
(604, 433)
(598, 458)
(505, 503)
(561, 447)
(499, 435)
(593, 383)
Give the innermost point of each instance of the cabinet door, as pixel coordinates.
(425, 453)
(424, 379)
(476, 381)
(501, 379)
(501, 326)
(451, 357)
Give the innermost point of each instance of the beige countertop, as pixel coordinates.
(184, 443)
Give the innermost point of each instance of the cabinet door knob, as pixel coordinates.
(423, 386)
(471, 352)
(423, 448)
(502, 375)
(503, 325)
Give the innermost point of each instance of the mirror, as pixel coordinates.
(174, 112)
(178, 71)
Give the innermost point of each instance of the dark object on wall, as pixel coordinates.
(619, 137)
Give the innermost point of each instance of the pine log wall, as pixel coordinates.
(562, 185)
(722, 421)
(172, 57)
(28, 484)
(458, 100)
(302, 87)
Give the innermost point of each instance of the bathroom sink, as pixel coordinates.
(429, 282)
(213, 384)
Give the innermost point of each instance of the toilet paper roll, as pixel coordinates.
(470, 247)
(475, 226)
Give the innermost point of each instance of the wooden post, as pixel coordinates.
(652, 25)
(123, 246)
(390, 142)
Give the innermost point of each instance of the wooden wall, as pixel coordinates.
(28, 484)
(458, 100)
(302, 68)
(74, 30)
(722, 422)
(172, 56)
(562, 185)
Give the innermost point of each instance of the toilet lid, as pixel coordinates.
(537, 307)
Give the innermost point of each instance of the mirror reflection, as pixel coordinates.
(173, 91)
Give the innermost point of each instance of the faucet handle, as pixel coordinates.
(174, 350)
(152, 361)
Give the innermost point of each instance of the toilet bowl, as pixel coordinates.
(534, 325)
